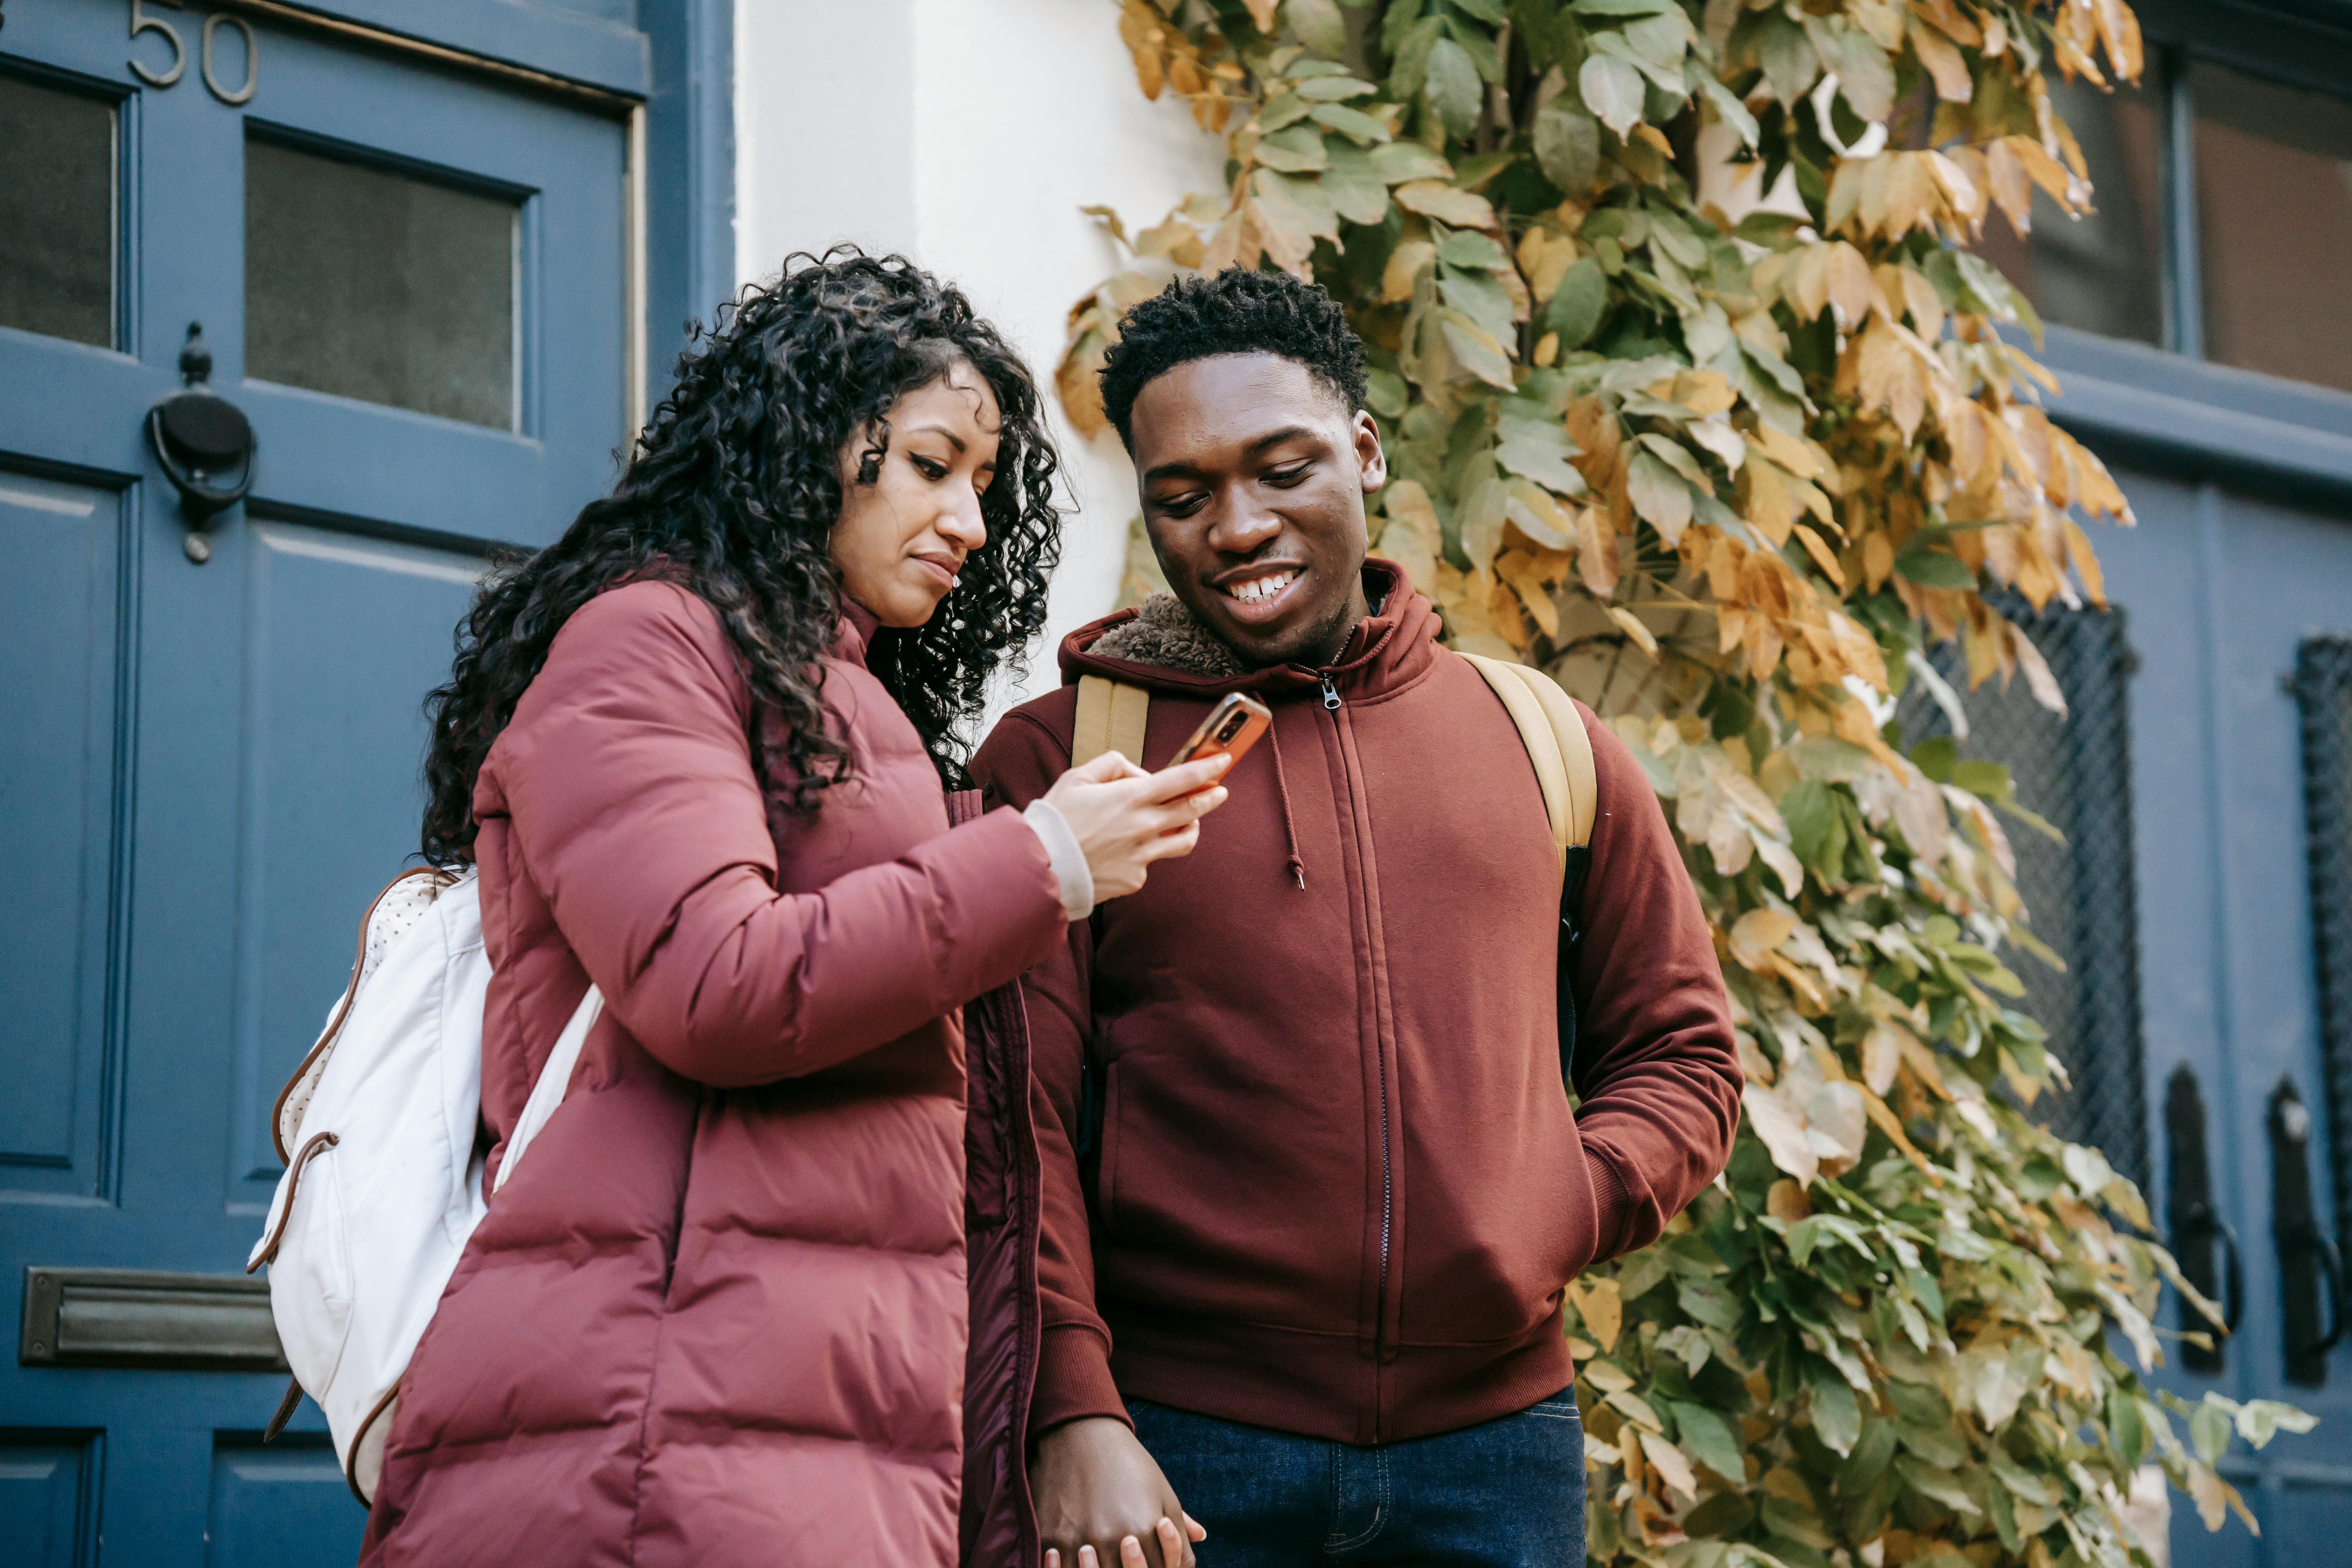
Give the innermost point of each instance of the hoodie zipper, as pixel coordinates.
(1331, 704)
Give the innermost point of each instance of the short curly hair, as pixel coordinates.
(1237, 311)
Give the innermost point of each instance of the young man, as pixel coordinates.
(1304, 1277)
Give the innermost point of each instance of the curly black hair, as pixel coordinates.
(1238, 312)
(733, 490)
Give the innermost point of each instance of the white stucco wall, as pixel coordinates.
(968, 133)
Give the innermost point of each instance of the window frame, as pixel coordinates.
(2168, 408)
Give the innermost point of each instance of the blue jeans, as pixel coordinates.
(1508, 1493)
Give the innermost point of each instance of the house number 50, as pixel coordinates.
(141, 22)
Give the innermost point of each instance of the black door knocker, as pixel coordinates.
(198, 434)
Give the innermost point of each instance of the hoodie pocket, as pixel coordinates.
(1107, 1174)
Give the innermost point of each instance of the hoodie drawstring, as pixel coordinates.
(1297, 867)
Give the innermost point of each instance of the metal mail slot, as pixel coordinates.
(139, 1318)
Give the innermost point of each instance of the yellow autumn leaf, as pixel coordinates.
(1447, 203)
(1756, 933)
(1630, 623)
(1603, 1312)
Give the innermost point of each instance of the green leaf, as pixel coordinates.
(1660, 41)
(1668, 233)
(1326, 88)
(1477, 296)
(2209, 1429)
(1317, 24)
(1934, 569)
(1567, 147)
(1660, 495)
(1297, 151)
(1639, 1275)
(1937, 756)
(1869, 1459)
(1934, 1443)
(1287, 110)
(1408, 57)
(1469, 248)
(1710, 1302)
(1484, 10)
(1612, 88)
(1710, 1440)
(1539, 451)
(1402, 161)
(1816, 830)
(1401, 18)
(1865, 78)
(1724, 1514)
(2259, 1419)
(1726, 103)
(1931, 1483)
(2004, 1517)
(1454, 88)
(1577, 305)
(1353, 123)
(1837, 1415)
(1296, 202)
(1356, 191)
(1474, 349)
(1985, 778)
(1791, 67)
(1919, 1404)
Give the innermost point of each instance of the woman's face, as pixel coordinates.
(902, 538)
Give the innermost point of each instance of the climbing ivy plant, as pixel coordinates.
(1695, 395)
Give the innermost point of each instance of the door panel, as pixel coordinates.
(271, 1506)
(328, 775)
(47, 1481)
(62, 709)
(211, 767)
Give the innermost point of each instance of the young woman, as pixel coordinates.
(696, 750)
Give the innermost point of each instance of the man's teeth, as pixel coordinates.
(1256, 590)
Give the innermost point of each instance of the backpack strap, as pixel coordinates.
(1553, 733)
(1111, 715)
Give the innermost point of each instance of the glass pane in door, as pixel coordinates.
(57, 212)
(2275, 225)
(375, 284)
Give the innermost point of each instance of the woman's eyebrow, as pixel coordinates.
(942, 430)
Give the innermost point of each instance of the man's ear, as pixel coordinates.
(1371, 460)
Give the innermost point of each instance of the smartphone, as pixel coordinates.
(1232, 727)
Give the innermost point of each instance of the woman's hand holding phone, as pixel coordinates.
(1125, 818)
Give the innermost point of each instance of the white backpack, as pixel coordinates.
(382, 1185)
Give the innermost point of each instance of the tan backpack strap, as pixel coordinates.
(1575, 748)
(1553, 733)
(1111, 716)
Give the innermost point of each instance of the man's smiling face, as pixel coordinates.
(1254, 473)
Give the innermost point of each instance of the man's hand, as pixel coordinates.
(1100, 1495)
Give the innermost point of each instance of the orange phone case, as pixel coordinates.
(1232, 726)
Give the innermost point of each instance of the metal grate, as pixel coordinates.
(2322, 688)
(2082, 895)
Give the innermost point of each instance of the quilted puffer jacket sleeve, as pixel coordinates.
(626, 772)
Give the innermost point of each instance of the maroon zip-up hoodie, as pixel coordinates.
(1339, 1191)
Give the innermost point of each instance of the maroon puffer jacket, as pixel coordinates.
(720, 1315)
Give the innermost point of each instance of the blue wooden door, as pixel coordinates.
(412, 278)
(2225, 587)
